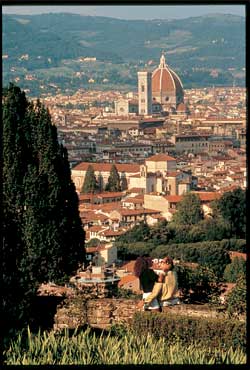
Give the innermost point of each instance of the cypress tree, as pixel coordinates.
(43, 234)
(90, 183)
(114, 182)
(100, 182)
(16, 156)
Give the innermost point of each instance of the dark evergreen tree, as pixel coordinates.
(14, 164)
(189, 210)
(90, 183)
(114, 182)
(232, 207)
(43, 235)
(124, 182)
(100, 182)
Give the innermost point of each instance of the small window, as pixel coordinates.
(142, 88)
(167, 98)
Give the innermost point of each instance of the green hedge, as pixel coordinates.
(210, 332)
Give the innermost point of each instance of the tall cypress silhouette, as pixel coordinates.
(43, 234)
(114, 181)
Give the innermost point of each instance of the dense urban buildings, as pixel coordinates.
(164, 143)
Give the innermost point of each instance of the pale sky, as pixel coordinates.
(129, 11)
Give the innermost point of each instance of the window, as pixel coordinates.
(142, 88)
(143, 100)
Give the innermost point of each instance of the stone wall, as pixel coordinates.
(98, 313)
(103, 313)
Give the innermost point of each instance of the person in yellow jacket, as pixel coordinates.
(166, 288)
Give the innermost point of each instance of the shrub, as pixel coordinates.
(198, 285)
(236, 300)
(209, 332)
(236, 268)
(211, 254)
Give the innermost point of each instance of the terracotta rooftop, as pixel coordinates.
(135, 212)
(129, 266)
(134, 200)
(173, 198)
(207, 196)
(127, 279)
(136, 190)
(106, 167)
(160, 158)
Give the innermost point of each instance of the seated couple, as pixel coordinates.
(158, 290)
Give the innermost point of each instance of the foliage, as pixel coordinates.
(140, 232)
(189, 211)
(114, 181)
(105, 38)
(43, 235)
(208, 230)
(232, 207)
(90, 184)
(88, 348)
(93, 242)
(161, 233)
(211, 254)
(198, 284)
(234, 269)
(126, 293)
(133, 250)
(236, 301)
(211, 332)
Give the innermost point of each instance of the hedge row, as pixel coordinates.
(210, 332)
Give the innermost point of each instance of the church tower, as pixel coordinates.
(145, 93)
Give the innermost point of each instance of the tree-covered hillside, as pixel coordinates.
(193, 46)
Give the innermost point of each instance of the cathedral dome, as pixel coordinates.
(166, 85)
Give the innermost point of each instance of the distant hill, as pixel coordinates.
(212, 41)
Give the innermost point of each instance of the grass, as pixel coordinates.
(87, 348)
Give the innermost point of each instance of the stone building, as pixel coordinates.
(145, 93)
(125, 107)
(101, 170)
(157, 174)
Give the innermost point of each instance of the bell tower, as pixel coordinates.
(145, 92)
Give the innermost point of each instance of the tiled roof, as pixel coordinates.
(112, 233)
(127, 279)
(134, 200)
(136, 190)
(106, 167)
(96, 229)
(135, 212)
(165, 80)
(207, 196)
(160, 158)
(129, 266)
(173, 198)
(109, 195)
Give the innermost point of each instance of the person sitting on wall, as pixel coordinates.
(166, 288)
(147, 278)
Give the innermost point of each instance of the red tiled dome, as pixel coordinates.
(165, 80)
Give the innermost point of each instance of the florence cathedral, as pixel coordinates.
(159, 92)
